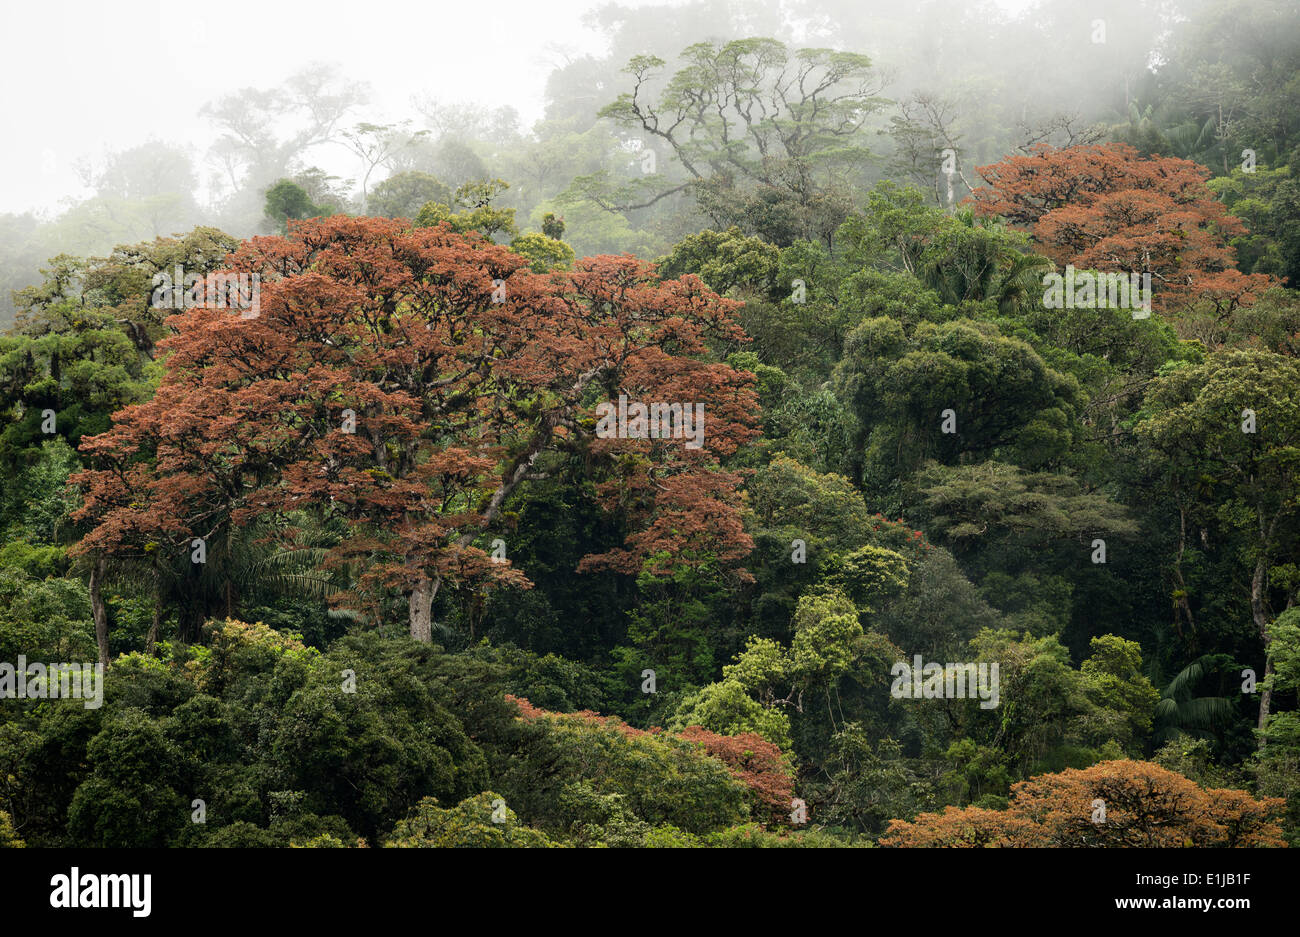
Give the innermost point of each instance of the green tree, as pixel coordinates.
(472, 209)
(725, 260)
(544, 253)
(1180, 712)
(471, 824)
(403, 194)
(286, 200)
(1227, 436)
(761, 134)
(552, 226)
(957, 392)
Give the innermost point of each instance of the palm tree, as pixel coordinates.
(258, 559)
(972, 260)
(1199, 716)
(1021, 282)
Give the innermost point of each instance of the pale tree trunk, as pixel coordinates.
(230, 586)
(1259, 612)
(152, 638)
(420, 599)
(1265, 698)
(97, 609)
(1260, 615)
(421, 610)
(422, 596)
(1184, 602)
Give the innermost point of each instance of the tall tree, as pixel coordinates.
(1226, 436)
(409, 381)
(761, 133)
(1107, 208)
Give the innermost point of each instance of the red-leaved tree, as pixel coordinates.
(407, 381)
(756, 763)
(1106, 208)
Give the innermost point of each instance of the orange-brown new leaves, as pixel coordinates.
(751, 759)
(755, 762)
(530, 713)
(408, 381)
(1144, 805)
(1106, 208)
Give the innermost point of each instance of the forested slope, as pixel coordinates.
(771, 452)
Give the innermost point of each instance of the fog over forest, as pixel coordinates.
(984, 78)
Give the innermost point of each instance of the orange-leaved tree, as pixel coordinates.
(406, 381)
(1115, 803)
(1106, 208)
(760, 766)
(754, 761)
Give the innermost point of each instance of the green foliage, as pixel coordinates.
(552, 226)
(471, 824)
(1268, 200)
(544, 253)
(131, 796)
(826, 628)
(567, 773)
(471, 209)
(865, 785)
(9, 839)
(288, 201)
(872, 302)
(45, 619)
(1179, 712)
(1001, 395)
(725, 260)
(753, 836)
(727, 708)
(403, 194)
(1115, 683)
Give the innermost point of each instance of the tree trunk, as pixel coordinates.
(421, 610)
(1265, 698)
(97, 609)
(151, 639)
(1183, 603)
(1259, 612)
(230, 586)
(190, 623)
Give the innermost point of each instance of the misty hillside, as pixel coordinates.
(717, 424)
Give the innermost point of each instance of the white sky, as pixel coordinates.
(79, 78)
